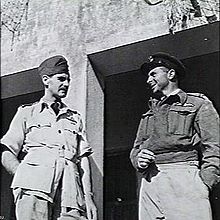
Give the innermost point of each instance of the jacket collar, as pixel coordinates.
(182, 96)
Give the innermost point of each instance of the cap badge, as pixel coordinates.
(151, 59)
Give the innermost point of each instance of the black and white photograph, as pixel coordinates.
(110, 110)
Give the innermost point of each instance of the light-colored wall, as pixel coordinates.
(76, 28)
(95, 134)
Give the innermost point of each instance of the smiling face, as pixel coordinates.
(57, 85)
(158, 79)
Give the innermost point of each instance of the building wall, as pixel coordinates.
(75, 29)
(95, 131)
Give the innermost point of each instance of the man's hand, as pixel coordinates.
(10, 161)
(144, 158)
(90, 208)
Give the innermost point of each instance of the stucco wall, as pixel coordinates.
(95, 134)
(75, 28)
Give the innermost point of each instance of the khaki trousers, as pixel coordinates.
(31, 207)
(174, 192)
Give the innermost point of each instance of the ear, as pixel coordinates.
(171, 75)
(45, 80)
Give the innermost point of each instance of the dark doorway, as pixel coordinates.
(125, 101)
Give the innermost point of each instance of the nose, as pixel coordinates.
(149, 79)
(66, 83)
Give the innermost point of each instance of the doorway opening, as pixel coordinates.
(125, 100)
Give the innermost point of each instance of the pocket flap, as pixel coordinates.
(183, 110)
(38, 124)
(41, 157)
(70, 126)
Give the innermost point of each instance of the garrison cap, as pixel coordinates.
(53, 65)
(166, 60)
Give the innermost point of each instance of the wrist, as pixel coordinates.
(88, 194)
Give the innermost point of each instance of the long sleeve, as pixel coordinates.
(140, 137)
(207, 121)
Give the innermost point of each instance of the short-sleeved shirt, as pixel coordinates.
(37, 126)
(49, 140)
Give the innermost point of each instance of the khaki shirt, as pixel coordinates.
(49, 140)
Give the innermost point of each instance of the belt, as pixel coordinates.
(58, 151)
(62, 152)
(179, 165)
(66, 154)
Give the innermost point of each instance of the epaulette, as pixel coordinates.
(143, 115)
(28, 105)
(73, 111)
(146, 113)
(199, 95)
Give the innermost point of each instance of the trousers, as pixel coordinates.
(32, 207)
(174, 191)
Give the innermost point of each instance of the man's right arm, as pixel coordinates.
(12, 142)
(141, 158)
(9, 160)
(138, 141)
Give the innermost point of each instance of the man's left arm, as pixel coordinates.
(87, 188)
(84, 151)
(207, 121)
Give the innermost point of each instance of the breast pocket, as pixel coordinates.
(149, 118)
(37, 126)
(180, 121)
(71, 130)
(70, 127)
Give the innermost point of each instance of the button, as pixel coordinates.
(59, 131)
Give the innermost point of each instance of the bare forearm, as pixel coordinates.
(86, 178)
(87, 186)
(10, 162)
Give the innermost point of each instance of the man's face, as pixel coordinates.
(157, 79)
(58, 85)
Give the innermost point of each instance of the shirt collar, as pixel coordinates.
(44, 104)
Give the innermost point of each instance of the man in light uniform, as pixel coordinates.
(53, 180)
(176, 148)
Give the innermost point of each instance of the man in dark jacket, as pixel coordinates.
(176, 148)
